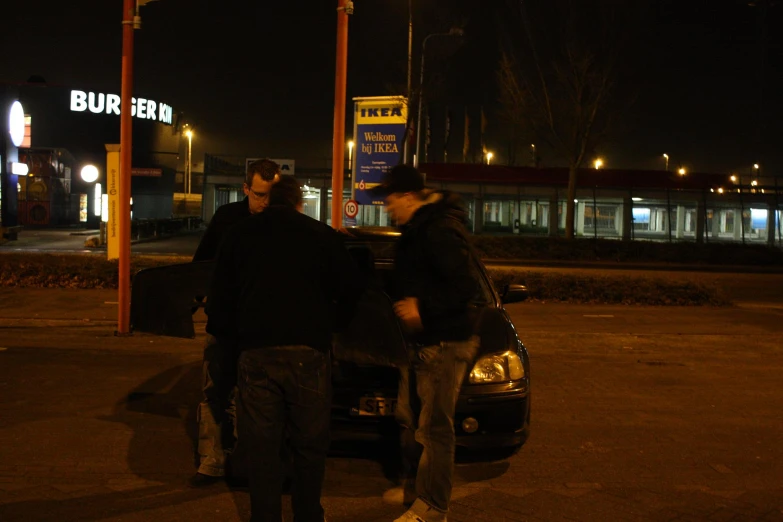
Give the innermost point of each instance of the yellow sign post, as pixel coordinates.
(112, 189)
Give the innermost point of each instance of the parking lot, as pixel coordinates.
(639, 413)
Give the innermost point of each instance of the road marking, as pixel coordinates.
(597, 316)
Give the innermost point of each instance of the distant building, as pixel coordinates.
(66, 129)
(610, 203)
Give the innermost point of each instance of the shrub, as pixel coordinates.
(70, 270)
(608, 250)
(578, 288)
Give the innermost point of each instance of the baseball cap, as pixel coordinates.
(400, 179)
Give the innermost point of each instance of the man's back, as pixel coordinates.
(285, 270)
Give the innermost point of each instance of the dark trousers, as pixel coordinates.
(428, 392)
(284, 391)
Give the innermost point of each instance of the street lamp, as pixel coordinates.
(454, 31)
(489, 157)
(682, 171)
(666, 161)
(598, 163)
(408, 92)
(189, 134)
(350, 155)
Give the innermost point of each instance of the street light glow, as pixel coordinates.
(89, 173)
(598, 163)
(189, 133)
(489, 157)
(682, 171)
(733, 178)
(350, 154)
(756, 166)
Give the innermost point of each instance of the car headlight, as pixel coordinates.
(497, 368)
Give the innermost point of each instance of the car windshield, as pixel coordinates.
(376, 260)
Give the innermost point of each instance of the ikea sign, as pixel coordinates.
(100, 103)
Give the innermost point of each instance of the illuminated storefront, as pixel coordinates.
(66, 130)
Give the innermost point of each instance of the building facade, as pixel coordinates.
(611, 203)
(67, 129)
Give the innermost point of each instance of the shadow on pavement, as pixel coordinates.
(161, 415)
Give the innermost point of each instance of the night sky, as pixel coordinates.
(257, 78)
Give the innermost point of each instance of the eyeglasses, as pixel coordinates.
(259, 195)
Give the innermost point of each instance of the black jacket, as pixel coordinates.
(225, 217)
(281, 278)
(433, 263)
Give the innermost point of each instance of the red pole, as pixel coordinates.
(344, 7)
(124, 193)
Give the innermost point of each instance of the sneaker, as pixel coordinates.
(409, 516)
(199, 480)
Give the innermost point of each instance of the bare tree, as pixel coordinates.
(557, 76)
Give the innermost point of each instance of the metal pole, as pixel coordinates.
(124, 192)
(668, 214)
(190, 165)
(421, 96)
(595, 216)
(408, 91)
(344, 8)
(777, 208)
(742, 207)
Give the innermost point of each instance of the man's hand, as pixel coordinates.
(408, 312)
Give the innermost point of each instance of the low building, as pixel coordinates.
(610, 203)
(68, 129)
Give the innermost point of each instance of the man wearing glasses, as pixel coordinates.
(216, 415)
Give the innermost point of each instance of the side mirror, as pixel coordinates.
(513, 294)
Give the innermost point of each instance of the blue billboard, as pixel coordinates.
(378, 130)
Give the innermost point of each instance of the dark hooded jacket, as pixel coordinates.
(434, 263)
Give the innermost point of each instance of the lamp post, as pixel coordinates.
(350, 155)
(344, 10)
(189, 134)
(455, 31)
(666, 162)
(129, 17)
(408, 91)
(489, 157)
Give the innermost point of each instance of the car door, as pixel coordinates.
(163, 299)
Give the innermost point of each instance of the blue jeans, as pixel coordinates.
(216, 412)
(428, 392)
(284, 391)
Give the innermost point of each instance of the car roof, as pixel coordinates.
(374, 233)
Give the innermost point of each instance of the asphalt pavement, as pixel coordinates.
(639, 413)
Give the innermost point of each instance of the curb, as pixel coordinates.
(749, 269)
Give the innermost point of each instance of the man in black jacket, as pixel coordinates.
(435, 282)
(215, 411)
(282, 285)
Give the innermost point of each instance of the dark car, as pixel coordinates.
(493, 409)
